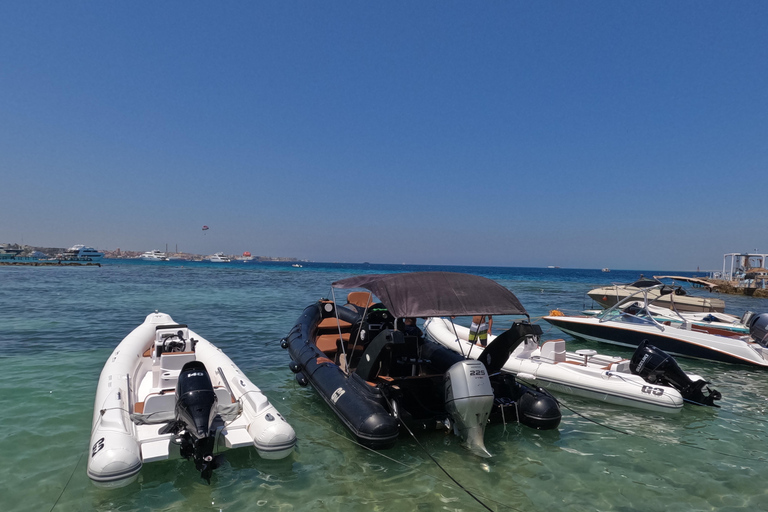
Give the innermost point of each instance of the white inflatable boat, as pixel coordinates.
(659, 386)
(166, 392)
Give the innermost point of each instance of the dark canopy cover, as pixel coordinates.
(421, 294)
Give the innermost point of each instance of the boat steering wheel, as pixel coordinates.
(174, 343)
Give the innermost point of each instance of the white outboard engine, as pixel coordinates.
(656, 366)
(195, 414)
(469, 400)
(758, 328)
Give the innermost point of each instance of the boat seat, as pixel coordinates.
(328, 343)
(157, 402)
(333, 324)
(554, 351)
(620, 367)
(171, 363)
(360, 299)
(165, 401)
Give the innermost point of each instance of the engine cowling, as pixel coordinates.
(758, 328)
(656, 366)
(195, 399)
(195, 414)
(469, 401)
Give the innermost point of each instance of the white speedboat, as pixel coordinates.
(219, 257)
(582, 373)
(608, 296)
(167, 392)
(714, 320)
(629, 326)
(81, 254)
(154, 255)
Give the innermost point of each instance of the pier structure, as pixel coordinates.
(744, 269)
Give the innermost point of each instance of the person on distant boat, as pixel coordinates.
(411, 329)
(480, 329)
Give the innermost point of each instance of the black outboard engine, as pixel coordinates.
(758, 328)
(656, 366)
(195, 414)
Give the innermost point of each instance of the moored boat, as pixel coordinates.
(585, 373)
(378, 373)
(219, 257)
(154, 255)
(630, 326)
(680, 300)
(167, 392)
(715, 320)
(81, 254)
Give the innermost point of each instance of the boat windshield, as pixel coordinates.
(634, 308)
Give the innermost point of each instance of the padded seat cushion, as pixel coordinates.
(332, 323)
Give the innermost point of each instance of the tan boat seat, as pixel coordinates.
(333, 323)
(361, 299)
(327, 342)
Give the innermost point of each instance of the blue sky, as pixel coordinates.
(616, 134)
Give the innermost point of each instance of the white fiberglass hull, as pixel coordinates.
(608, 296)
(138, 383)
(670, 339)
(603, 378)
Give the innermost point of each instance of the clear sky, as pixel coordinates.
(622, 134)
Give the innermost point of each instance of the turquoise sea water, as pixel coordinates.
(58, 326)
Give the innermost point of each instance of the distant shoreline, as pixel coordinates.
(119, 254)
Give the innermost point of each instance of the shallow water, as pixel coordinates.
(58, 326)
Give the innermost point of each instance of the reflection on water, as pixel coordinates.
(59, 326)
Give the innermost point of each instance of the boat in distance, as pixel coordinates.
(166, 392)
(586, 373)
(630, 326)
(246, 257)
(608, 296)
(154, 255)
(219, 257)
(377, 372)
(81, 254)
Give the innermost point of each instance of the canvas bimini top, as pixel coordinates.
(424, 294)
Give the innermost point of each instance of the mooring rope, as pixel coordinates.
(378, 453)
(68, 480)
(624, 432)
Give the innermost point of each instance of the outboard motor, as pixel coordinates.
(758, 328)
(469, 400)
(656, 366)
(195, 414)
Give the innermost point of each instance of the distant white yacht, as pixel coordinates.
(154, 256)
(82, 254)
(219, 257)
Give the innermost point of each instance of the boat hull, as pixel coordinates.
(675, 341)
(135, 400)
(360, 407)
(604, 378)
(611, 295)
(376, 398)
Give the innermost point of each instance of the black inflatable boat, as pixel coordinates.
(379, 375)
